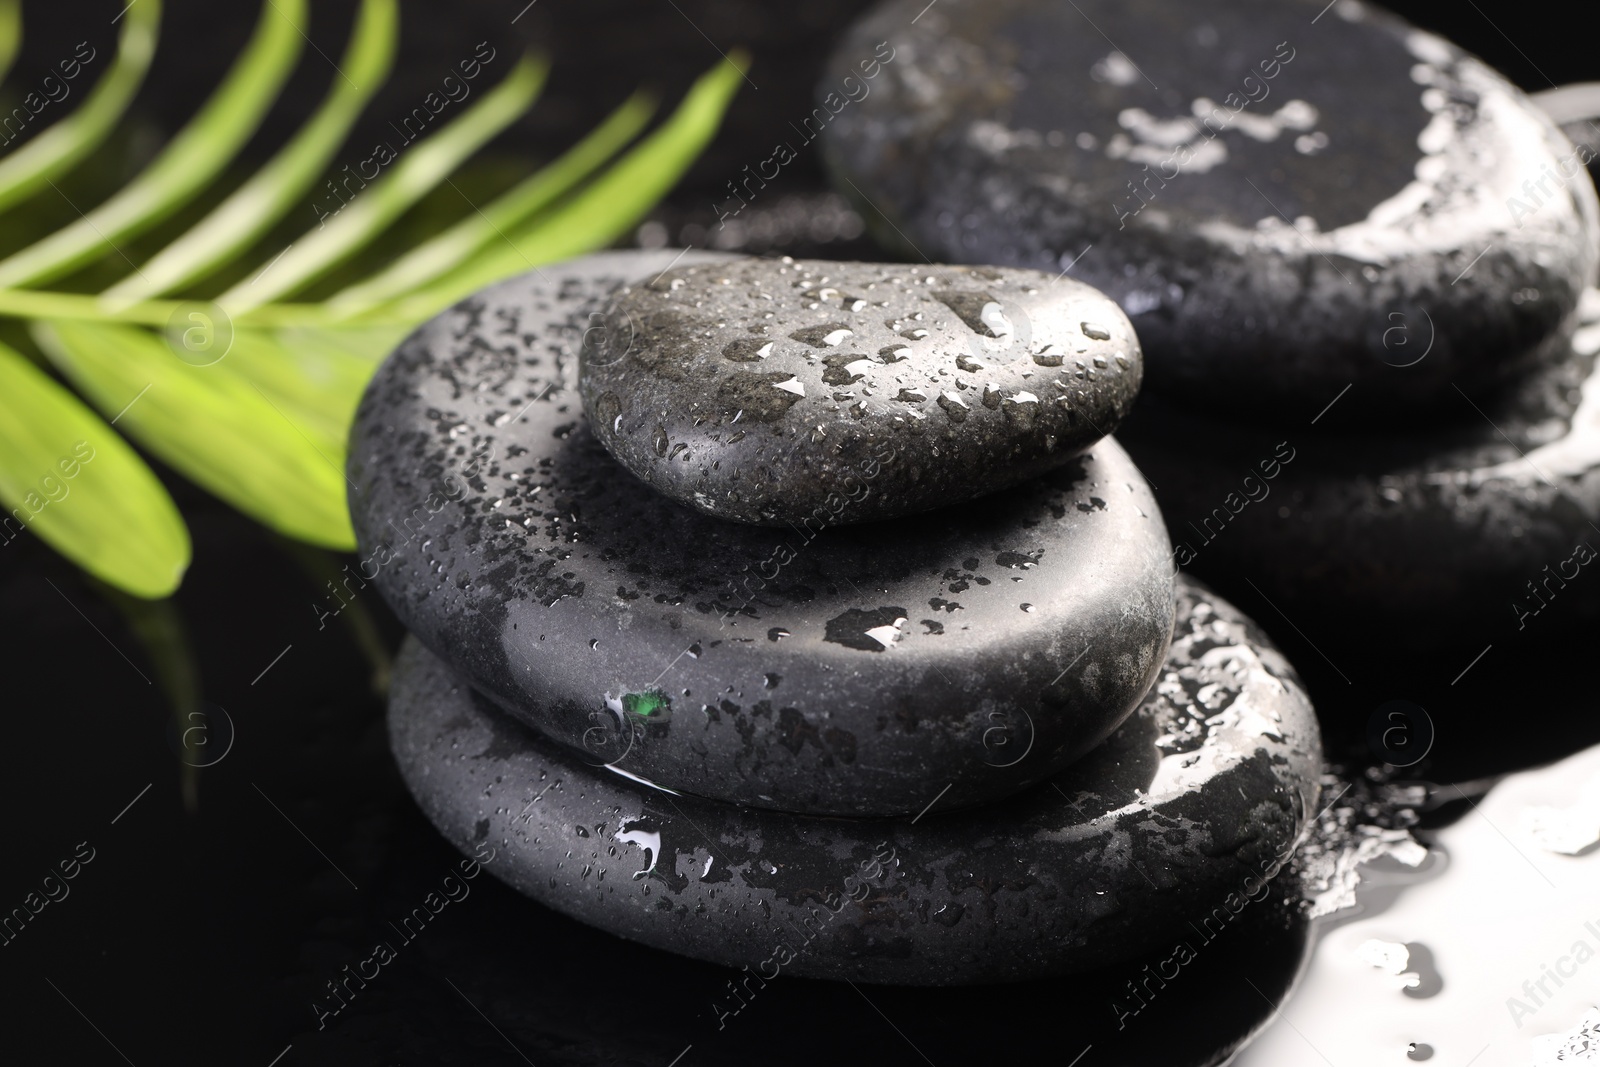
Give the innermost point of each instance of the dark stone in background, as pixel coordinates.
(1426, 535)
(1005, 134)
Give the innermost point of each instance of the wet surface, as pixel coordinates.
(207, 935)
(250, 921)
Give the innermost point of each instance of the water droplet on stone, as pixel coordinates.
(747, 350)
(824, 336)
(953, 406)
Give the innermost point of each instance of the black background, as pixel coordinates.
(201, 930)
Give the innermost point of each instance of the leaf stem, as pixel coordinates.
(87, 307)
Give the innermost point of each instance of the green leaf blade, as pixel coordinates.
(420, 170)
(267, 197)
(441, 254)
(603, 210)
(68, 477)
(214, 425)
(188, 163)
(10, 34)
(58, 149)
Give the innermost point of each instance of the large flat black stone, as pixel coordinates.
(1176, 819)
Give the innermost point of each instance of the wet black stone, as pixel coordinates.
(782, 391)
(1263, 250)
(858, 670)
(1472, 530)
(1174, 820)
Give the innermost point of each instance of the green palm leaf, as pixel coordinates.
(418, 171)
(67, 476)
(56, 150)
(250, 395)
(604, 210)
(10, 33)
(220, 431)
(195, 156)
(267, 197)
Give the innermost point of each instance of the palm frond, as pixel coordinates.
(194, 157)
(250, 394)
(263, 200)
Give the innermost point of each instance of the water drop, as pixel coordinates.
(953, 406)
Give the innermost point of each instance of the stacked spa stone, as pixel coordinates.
(1359, 262)
(801, 616)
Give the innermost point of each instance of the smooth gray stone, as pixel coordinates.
(859, 670)
(782, 391)
(1382, 179)
(1471, 531)
(1198, 796)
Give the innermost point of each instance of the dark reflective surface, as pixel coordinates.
(202, 934)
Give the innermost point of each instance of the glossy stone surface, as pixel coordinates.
(1267, 191)
(1429, 536)
(814, 392)
(859, 670)
(1179, 815)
